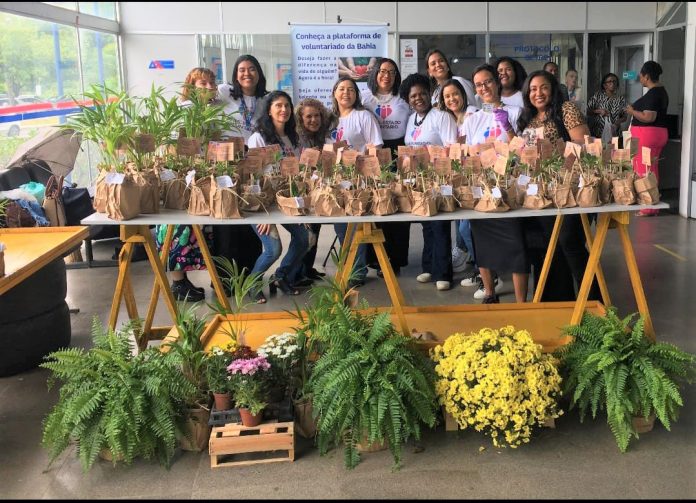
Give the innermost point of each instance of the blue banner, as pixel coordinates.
(320, 53)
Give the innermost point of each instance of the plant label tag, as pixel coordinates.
(502, 148)
(310, 157)
(436, 151)
(384, 156)
(477, 192)
(461, 139)
(581, 183)
(289, 166)
(500, 165)
(594, 149)
(488, 158)
(523, 180)
(403, 163)
(496, 193)
(545, 149)
(346, 184)
(645, 156)
(626, 137)
(532, 189)
(189, 177)
(569, 161)
(315, 176)
(615, 142)
(299, 201)
(167, 175)
(224, 182)
(539, 133)
(368, 165)
(560, 146)
(443, 166)
(587, 138)
(446, 190)
(115, 178)
(410, 181)
(328, 161)
(517, 143)
(455, 152)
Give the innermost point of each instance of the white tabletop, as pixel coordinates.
(166, 216)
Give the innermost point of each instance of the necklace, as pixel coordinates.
(415, 118)
(384, 98)
(246, 113)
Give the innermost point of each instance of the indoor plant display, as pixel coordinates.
(370, 384)
(249, 385)
(218, 378)
(115, 401)
(612, 366)
(282, 353)
(498, 382)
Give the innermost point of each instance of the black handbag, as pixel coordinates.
(77, 203)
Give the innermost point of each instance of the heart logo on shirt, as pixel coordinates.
(383, 111)
(415, 133)
(337, 134)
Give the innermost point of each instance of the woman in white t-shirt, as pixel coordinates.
(276, 125)
(512, 76)
(358, 127)
(392, 112)
(439, 71)
(498, 242)
(248, 85)
(430, 126)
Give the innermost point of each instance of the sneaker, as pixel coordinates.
(183, 293)
(424, 277)
(442, 285)
(459, 257)
(481, 293)
(491, 299)
(192, 286)
(473, 280)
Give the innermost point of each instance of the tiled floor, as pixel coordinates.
(576, 460)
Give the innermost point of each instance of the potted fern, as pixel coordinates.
(114, 401)
(613, 366)
(370, 384)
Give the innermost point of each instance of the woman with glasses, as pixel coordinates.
(430, 126)
(512, 76)
(392, 112)
(606, 106)
(439, 71)
(498, 242)
(358, 127)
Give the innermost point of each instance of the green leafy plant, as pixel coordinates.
(370, 384)
(612, 366)
(216, 370)
(249, 382)
(111, 399)
(202, 119)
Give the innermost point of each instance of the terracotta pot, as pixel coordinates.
(642, 425)
(377, 446)
(249, 419)
(223, 401)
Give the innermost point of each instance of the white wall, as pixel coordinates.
(268, 17)
(161, 17)
(542, 16)
(441, 17)
(618, 16)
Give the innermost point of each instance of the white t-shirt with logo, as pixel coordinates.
(256, 140)
(358, 128)
(245, 113)
(514, 101)
(482, 125)
(391, 111)
(438, 128)
(472, 100)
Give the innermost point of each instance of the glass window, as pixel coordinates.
(533, 50)
(464, 52)
(210, 54)
(100, 9)
(273, 53)
(63, 5)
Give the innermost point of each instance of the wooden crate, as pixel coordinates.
(260, 443)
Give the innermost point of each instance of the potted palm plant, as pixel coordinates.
(613, 366)
(115, 402)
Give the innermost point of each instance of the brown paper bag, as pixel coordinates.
(424, 203)
(465, 197)
(623, 189)
(516, 195)
(223, 201)
(123, 200)
(100, 192)
(605, 187)
(403, 194)
(538, 201)
(383, 201)
(562, 196)
(328, 202)
(646, 189)
(588, 194)
(446, 202)
(148, 183)
(291, 205)
(199, 201)
(490, 204)
(357, 202)
(176, 194)
(53, 201)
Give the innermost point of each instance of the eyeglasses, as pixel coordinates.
(387, 72)
(486, 83)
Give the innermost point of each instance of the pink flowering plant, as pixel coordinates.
(249, 379)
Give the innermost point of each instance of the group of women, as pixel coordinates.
(499, 102)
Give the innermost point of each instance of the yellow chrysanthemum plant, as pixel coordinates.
(498, 382)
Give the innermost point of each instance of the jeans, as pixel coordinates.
(464, 233)
(360, 266)
(308, 260)
(437, 250)
(272, 248)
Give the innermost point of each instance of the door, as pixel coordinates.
(628, 54)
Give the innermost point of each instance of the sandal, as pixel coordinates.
(258, 297)
(282, 285)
